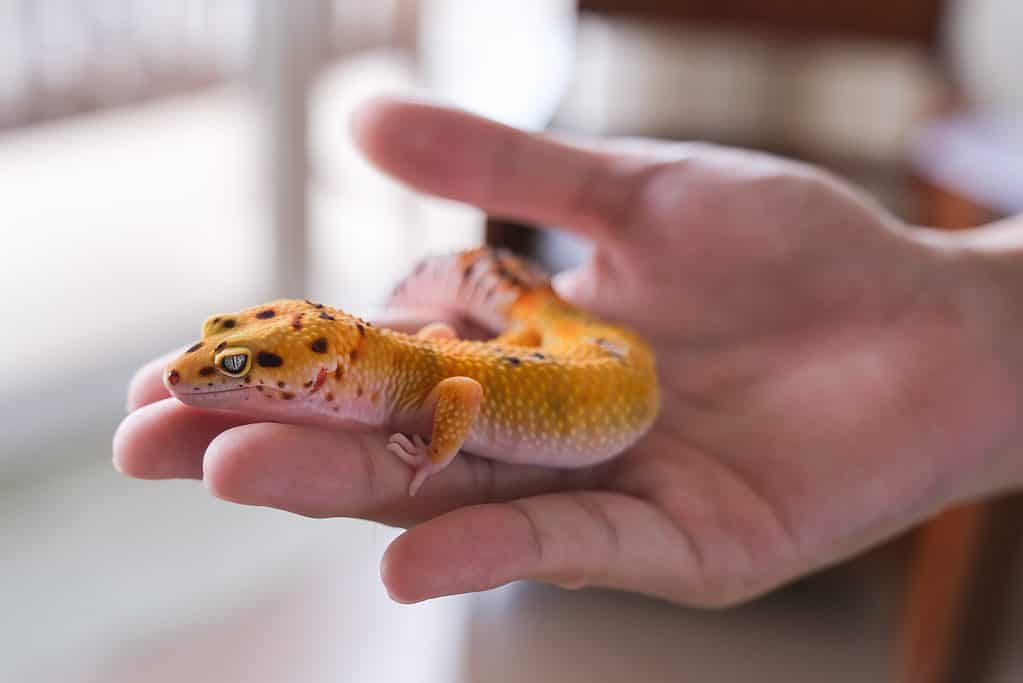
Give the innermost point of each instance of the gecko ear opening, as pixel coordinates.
(233, 362)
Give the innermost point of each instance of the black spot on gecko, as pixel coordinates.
(210, 385)
(228, 324)
(319, 345)
(512, 360)
(287, 395)
(539, 356)
(312, 304)
(358, 392)
(248, 379)
(220, 347)
(308, 384)
(296, 322)
(265, 314)
(362, 329)
(327, 316)
(329, 396)
(269, 360)
(280, 385)
(339, 372)
(353, 356)
(258, 388)
(194, 347)
(207, 371)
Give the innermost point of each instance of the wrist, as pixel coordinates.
(980, 280)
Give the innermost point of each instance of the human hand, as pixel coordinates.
(824, 381)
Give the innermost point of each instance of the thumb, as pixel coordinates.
(502, 170)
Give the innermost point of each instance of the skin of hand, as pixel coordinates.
(829, 377)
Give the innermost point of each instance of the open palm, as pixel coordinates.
(821, 387)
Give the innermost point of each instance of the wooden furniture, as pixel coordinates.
(915, 21)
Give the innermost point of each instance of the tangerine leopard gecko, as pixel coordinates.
(556, 387)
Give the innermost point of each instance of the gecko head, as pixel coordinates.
(281, 350)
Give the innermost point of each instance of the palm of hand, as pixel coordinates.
(798, 336)
(800, 340)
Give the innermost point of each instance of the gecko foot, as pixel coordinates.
(415, 453)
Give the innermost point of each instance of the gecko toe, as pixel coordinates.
(402, 442)
(406, 457)
(413, 453)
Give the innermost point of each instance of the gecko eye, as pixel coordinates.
(233, 362)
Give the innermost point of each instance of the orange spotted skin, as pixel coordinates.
(559, 387)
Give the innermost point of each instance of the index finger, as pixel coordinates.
(503, 170)
(146, 385)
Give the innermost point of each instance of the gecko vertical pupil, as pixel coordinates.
(235, 362)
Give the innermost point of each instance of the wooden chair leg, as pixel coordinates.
(941, 580)
(997, 593)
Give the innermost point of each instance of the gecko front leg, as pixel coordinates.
(456, 403)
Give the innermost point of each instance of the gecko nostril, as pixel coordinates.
(173, 377)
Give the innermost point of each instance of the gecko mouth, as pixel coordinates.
(218, 391)
(196, 394)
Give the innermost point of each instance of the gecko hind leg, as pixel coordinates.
(456, 402)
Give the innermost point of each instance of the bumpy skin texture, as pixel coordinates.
(559, 387)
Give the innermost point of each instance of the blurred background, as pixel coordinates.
(161, 161)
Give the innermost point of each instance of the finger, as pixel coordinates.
(411, 321)
(167, 439)
(502, 170)
(146, 385)
(325, 473)
(572, 539)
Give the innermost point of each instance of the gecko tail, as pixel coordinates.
(480, 285)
